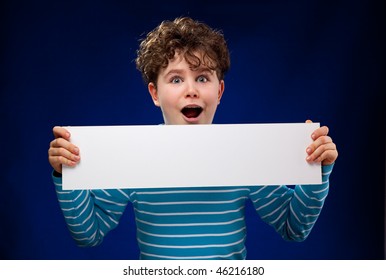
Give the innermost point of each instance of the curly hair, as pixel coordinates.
(188, 37)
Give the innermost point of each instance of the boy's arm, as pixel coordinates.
(90, 215)
(292, 212)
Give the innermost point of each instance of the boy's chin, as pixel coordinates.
(181, 119)
(187, 121)
(200, 119)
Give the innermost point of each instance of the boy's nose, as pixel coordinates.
(191, 91)
(191, 94)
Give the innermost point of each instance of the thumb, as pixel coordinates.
(308, 121)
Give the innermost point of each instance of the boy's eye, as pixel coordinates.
(176, 80)
(202, 79)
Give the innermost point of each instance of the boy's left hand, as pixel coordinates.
(322, 149)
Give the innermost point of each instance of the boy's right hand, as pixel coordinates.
(61, 151)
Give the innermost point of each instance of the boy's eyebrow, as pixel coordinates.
(182, 71)
(175, 71)
(204, 69)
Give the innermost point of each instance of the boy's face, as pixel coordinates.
(186, 96)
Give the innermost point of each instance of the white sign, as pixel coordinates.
(157, 156)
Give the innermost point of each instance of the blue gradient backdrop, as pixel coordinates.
(71, 63)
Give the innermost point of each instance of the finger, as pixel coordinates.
(308, 121)
(321, 131)
(328, 157)
(58, 161)
(61, 132)
(318, 142)
(63, 143)
(318, 154)
(62, 152)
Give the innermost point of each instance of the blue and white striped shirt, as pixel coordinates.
(192, 223)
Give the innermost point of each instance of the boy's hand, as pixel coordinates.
(61, 151)
(322, 149)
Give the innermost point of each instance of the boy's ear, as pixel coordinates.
(220, 91)
(153, 92)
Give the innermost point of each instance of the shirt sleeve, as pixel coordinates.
(292, 212)
(90, 214)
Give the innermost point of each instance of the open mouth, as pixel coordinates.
(191, 111)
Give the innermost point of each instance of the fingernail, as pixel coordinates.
(313, 136)
(76, 150)
(308, 158)
(77, 158)
(308, 150)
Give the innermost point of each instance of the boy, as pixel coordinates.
(183, 63)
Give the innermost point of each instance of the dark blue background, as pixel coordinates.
(71, 63)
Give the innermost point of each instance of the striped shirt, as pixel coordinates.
(192, 223)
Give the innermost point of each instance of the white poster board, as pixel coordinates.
(156, 156)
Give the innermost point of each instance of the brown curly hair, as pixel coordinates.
(188, 37)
